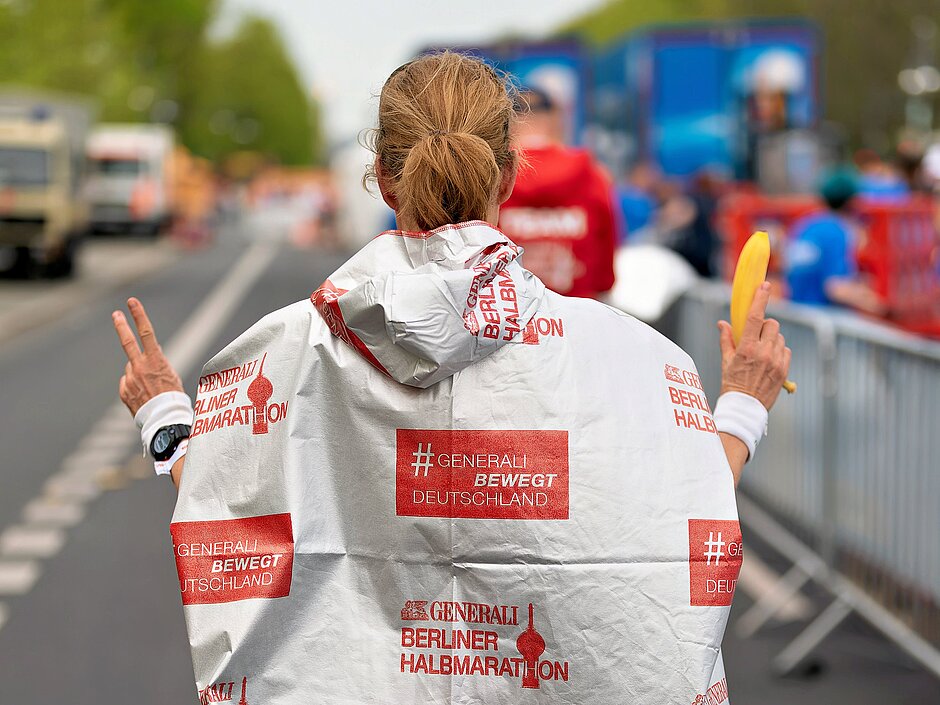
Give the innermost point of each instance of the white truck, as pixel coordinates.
(129, 181)
(43, 214)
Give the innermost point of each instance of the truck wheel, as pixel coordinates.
(64, 265)
(24, 265)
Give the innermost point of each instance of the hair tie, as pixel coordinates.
(438, 133)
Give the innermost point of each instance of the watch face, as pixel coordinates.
(161, 441)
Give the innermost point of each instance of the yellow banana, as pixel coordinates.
(749, 273)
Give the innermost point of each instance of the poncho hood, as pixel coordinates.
(422, 306)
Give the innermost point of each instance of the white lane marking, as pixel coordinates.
(757, 579)
(186, 348)
(120, 424)
(53, 512)
(83, 462)
(27, 541)
(106, 438)
(71, 487)
(90, 468)
(18, 577)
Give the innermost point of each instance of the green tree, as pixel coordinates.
(153, 60)
(163, 41)
(249, 97)
(66, 47)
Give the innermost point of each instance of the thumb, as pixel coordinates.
(725, 341)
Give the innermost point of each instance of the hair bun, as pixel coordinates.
(443, 139)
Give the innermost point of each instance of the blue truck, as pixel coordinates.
(561, 68)
(692, 97)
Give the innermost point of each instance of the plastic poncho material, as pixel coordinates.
(437, 482)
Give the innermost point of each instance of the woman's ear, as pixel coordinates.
(507, 178)
(385, 186)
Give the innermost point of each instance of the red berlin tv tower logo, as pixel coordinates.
(259, 392)
(531, 645)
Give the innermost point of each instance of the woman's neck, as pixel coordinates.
(408, 225)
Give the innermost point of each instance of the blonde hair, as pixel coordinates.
(443, 138)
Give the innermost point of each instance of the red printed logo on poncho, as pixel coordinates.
(715, 554)
(482, 474)
(219, 404)
(540, 327)
(492, 305)
(233, 559)
(476, 639)
(716, 694)
(690, 407)
(222, 693)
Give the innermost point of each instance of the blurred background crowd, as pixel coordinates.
(711, 120)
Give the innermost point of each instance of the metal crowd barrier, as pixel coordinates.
(846, 485)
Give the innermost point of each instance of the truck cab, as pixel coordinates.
(42, 212)
(129, 173)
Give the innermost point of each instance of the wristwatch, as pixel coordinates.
(166, 440)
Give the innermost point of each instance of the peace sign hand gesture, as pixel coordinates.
(148, 372)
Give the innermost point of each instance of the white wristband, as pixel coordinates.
(743, 416)
(164, 409)
(163, 467)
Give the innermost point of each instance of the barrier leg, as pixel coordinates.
(773, 601)
(812, 636)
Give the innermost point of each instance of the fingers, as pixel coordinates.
(125, 336)
(770, 330)
(725, 341)
(144, 327)
(755, 316)
(787, 355)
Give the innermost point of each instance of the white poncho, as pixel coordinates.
(438, 482)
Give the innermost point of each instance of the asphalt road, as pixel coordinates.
(90, 609)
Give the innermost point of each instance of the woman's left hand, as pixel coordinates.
(148, 372)
(759, 363)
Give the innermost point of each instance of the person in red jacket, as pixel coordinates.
(561, 210)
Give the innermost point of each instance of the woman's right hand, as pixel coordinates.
(759, 363)
(148, 372)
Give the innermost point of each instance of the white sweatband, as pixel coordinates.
(742, 416)
(164, 409)
(163, 467)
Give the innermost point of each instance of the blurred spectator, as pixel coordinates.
(909, 160)
(635, 194)
(685, 221)
(931, 167)
(561, 209)
(878, 180)
(776, 76)
(821, 266)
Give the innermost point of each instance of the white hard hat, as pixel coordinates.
(778, 70)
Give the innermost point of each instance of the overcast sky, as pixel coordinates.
(345, 49)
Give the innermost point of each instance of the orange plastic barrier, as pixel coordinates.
(900, 255)
(740, 214)
(900, 249)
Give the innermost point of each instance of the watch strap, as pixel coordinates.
(163, 467)
(162, 410)
(178, 433)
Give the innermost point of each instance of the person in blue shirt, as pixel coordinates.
(821, 267)
(637, 203)
(879, 181)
